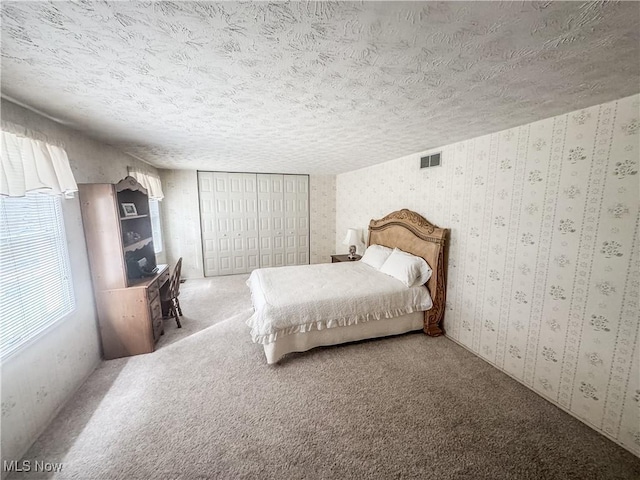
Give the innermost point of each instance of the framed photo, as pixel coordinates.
(129, 209)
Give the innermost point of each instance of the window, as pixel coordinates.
(156, 230)
(35, 277)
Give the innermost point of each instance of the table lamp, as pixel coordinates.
(352, 240)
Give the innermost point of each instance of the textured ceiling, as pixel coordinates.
(311, 87)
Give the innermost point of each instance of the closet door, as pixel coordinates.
(296, 217)
(229, 219)
(243, 221)
(253, 220)
(271, 219)
(208, 223)
(222, 218)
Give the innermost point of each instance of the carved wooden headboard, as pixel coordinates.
(412, 233)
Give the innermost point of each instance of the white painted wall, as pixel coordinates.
(543, 264)
(38, 379)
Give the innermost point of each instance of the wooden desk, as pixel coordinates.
(131, 318)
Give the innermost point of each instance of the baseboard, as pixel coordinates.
(552, 402)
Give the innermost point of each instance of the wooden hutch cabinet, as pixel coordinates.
(126, 280)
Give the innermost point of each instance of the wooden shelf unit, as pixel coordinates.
(137, 245)
(133, 217)
(128, 303)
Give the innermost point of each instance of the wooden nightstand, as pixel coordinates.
(344, 258)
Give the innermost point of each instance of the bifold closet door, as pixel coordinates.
(208, 223)
(296, 218)
(253, 220)
(229, 220)
(243, 203)
(271, 219)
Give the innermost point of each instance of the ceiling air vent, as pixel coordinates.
(432, 160)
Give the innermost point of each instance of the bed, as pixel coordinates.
(302, 307)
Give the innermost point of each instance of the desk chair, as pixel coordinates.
(170, 296)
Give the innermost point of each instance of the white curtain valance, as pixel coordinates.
(149, 180)
(28, 165)
(22, 131)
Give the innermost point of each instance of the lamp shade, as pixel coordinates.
(351, 238)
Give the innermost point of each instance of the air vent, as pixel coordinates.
(432, 160)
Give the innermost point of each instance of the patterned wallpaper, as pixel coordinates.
(180, 210)
(181, 219)
(38, 379)
(322, 217)
(302, 87)
(543, 268)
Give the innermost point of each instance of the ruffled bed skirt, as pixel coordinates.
(324, 324)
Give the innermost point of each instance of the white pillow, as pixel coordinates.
(376, 255)
(409, 269)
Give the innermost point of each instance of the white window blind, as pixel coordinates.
(35, 277)
(156, 230)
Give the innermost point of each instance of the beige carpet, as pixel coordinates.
(208, 301)
(205, 405)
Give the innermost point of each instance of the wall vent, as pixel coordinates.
(433, 160)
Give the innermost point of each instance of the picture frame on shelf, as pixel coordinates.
(129, 209)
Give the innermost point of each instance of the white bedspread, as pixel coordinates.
(303, 298)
